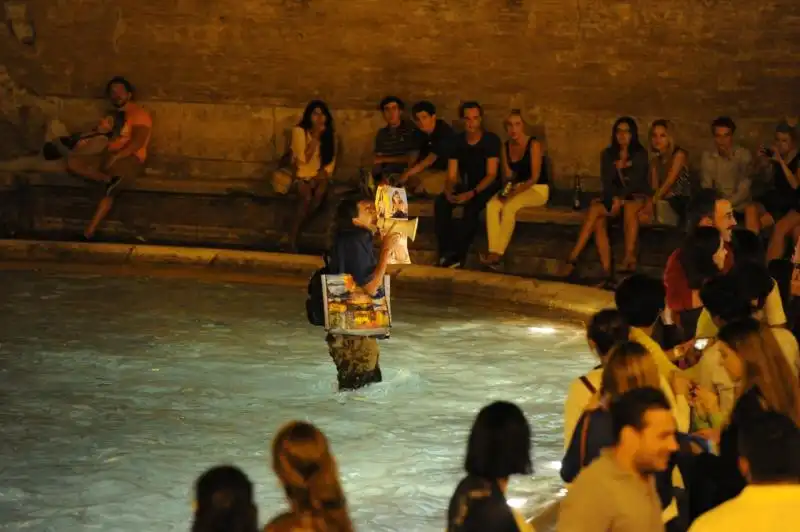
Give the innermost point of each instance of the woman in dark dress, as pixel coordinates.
(626, 193)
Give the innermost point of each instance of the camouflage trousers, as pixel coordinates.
(356, 359)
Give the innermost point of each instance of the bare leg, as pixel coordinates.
(603, 245)
(318, 195)
(83, 169)
(100, 213)
(784, 228)
(304, 192)
(596, 211)
(631, 233)
(752, 218)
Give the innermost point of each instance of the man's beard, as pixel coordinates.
(119, 104)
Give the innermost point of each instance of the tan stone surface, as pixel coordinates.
(225, 69)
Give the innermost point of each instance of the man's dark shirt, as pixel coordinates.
(438, 142)
(472, 158)
(353, 254)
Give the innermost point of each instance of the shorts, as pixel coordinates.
(127, 169)
(776, 204)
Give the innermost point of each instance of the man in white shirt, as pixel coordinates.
(769, 446)
(727, 168)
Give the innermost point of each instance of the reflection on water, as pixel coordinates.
(118, 392)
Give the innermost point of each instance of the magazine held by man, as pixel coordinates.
(349, 310)
(391, 204)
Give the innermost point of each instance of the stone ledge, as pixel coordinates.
(547, 214)
(479, 287)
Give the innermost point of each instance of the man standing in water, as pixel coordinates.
(356, 357)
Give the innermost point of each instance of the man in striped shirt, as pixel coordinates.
(396, 144)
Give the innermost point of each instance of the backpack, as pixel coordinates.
(315, 302)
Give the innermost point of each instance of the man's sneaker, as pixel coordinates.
(114, 183)
(453, 264)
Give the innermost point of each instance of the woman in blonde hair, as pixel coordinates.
(302, 461)
(524, 171)
(763, 381)
(630, 365)
(669, 170)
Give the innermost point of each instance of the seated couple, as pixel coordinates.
(764, 193)
(634, 186)
(472, 182)
(112, 154)
(407, 156)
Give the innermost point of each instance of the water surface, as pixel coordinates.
(118, 392)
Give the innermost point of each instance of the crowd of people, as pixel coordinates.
(690, 420)
(711, 353)
(642, 181)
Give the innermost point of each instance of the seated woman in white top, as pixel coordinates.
(313, 159)
(525, 179)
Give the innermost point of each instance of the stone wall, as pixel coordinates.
(224, 78)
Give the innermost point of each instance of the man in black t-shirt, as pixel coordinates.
(428, 174)
(471, 182)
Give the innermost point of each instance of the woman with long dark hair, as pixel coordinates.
(308, 164)
(626, 192)
(224, 502)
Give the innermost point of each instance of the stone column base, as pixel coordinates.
(356, 359)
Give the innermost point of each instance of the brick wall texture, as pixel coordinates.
(572, 65)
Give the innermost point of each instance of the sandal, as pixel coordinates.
(607, 284)
(491, 261)
(567, 269)
(628, 267)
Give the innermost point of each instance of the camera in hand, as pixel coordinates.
(768, 152)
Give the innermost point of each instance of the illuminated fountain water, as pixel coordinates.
(118, 392)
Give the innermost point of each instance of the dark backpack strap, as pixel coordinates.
(586, 382)
(584, 437)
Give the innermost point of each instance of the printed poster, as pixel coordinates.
(350, 310)
(391, 202)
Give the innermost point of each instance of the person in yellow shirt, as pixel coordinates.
(769, 445)
(641, 300)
